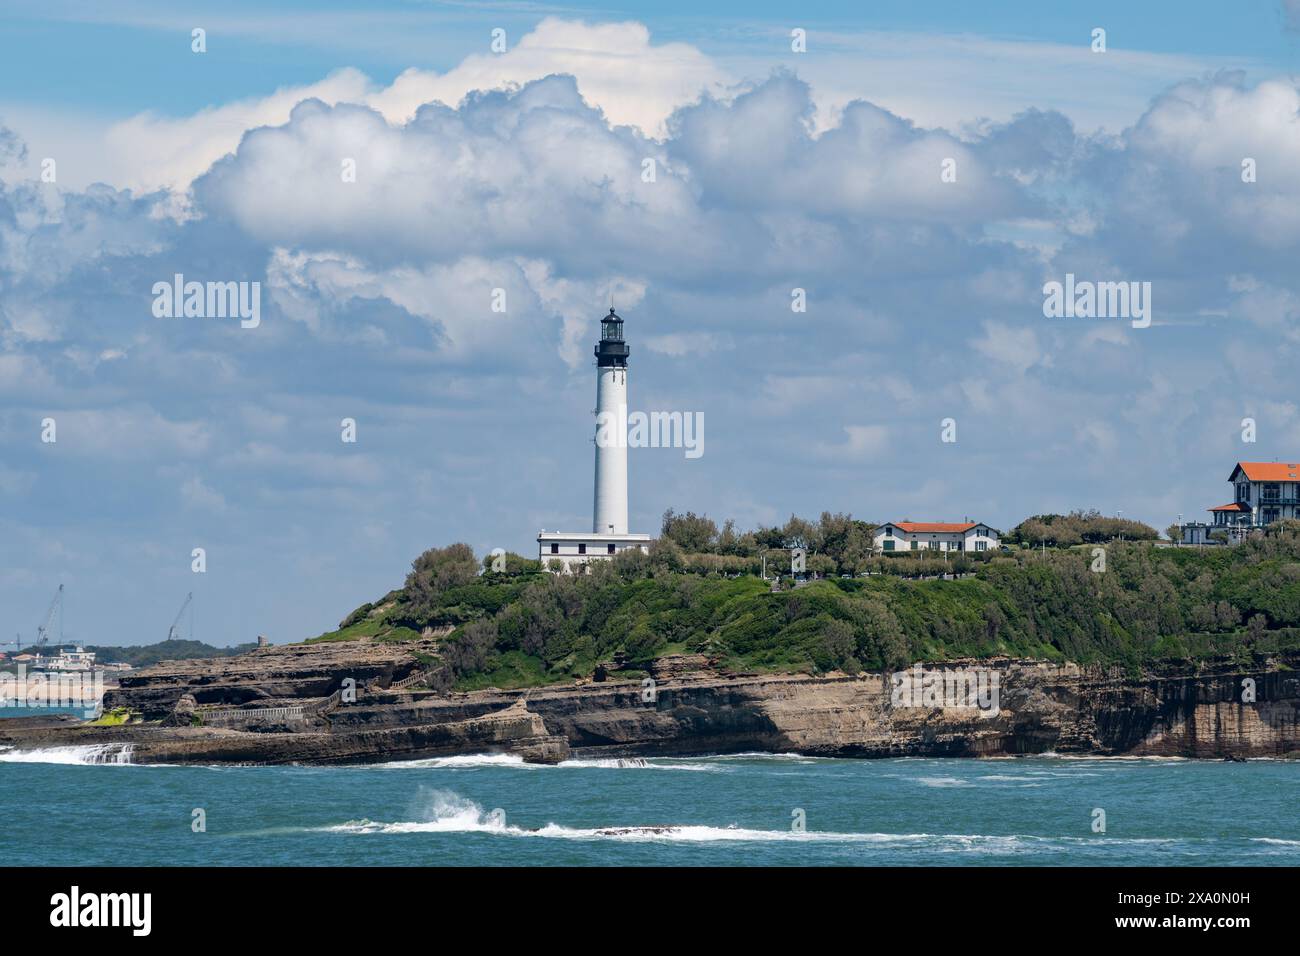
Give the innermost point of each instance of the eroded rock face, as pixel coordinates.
(267, 673)
(1191, 711)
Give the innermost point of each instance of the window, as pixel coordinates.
(555, 548)
(1243, 492)
(889, 545)
(981, 545)
(1271, 493)
(889, 532)
(582, 549)
(611, 549)
(913, 544)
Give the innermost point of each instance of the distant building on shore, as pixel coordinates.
(1263, 492)
(937, 536)
(571, 550)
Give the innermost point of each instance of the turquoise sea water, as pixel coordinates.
(731, 810)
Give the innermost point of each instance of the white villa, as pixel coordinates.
(1263, 492)
(937, 536)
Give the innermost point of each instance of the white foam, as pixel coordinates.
(944, 782)
(641, 763)
(759, 755)
(449, 812)
(459, 762)
(113, 754)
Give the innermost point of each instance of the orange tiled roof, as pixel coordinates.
(1235, 506)
(1268, 470)
(935, 527)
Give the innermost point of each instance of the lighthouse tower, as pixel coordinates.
(610, 511)
(574, 551)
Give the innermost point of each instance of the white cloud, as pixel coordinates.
(934, 81)
(633, 81)
(148, 152)
(685, 343)
(198, 495)
(1016, 348)
(861, 442)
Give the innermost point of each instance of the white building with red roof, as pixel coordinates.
(937, 536)
(1263, 492)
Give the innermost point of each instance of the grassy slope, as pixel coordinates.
(1149, 604)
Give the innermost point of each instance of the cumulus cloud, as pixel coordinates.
(619, 72)
(1016, 348)
(923, 302)
(633, 81)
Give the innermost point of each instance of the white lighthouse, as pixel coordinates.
(610, 510)
(567, 551)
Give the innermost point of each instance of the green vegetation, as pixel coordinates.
(1078, 527)
(142, 655)
(524, 627)
(112, 718)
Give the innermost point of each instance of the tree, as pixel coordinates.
(439, 570)
(693, 533)
(1174, 533)
(727, 537)
(665, 555)
(471, 648)
(798, 533)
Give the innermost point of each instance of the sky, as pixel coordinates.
(919, 170)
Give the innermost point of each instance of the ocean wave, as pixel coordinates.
(448, 812)
(1113, 758)
(108, 754)
(762, 755)
(513, 761)
(459, 762)
(1275, 841)
(943, 782)
(642, 763)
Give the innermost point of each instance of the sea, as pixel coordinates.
(88, 806)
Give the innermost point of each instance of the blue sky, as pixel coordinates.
(522, 171)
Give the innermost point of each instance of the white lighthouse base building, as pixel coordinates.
(575, 550)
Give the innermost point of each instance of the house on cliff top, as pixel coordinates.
(1263, 492)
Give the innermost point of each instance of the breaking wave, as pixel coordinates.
(641, 763)
(461, 762)
(118, 754)
(448, 812)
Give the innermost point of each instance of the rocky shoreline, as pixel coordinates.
(365, 701)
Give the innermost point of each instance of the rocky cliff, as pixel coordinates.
(362, 701)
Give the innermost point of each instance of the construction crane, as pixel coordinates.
(171, 631)
(43, 631)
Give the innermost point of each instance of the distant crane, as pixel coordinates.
(43, 631)
(56, 605)
(172, 633)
